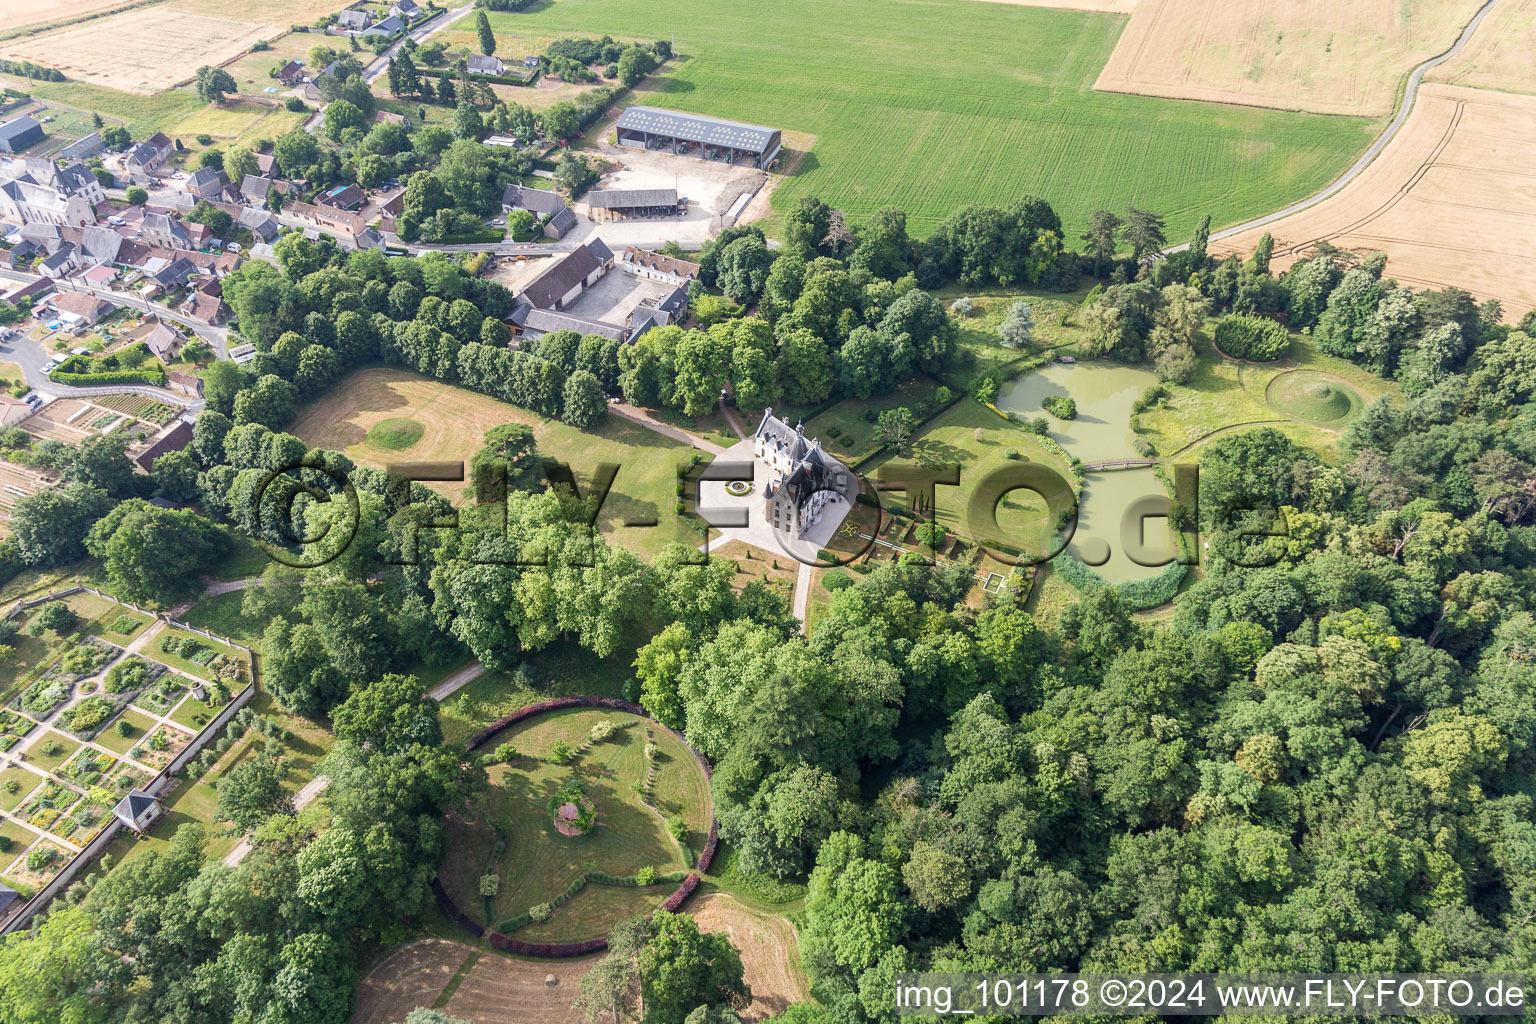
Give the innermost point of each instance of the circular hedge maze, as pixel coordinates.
(395, 434)
(592, 815)
(1314, 397)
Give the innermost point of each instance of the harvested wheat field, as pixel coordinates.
(1451, 201)
(1341, 57)
(767, 945)
(19, 13)
(1498, 56)
(142, 51)
(499, 990)
(413, 975)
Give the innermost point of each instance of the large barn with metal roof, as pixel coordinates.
(709, 137)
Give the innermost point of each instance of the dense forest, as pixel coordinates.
(1321, 761)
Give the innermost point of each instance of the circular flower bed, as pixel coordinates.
(738, 488)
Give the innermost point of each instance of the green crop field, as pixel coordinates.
(933, 104)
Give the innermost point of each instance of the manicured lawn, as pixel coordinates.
(979, 441)
(110, 739)
(456, 421)
(539, 863)
(1224, 393)
(26, 781)
(46, 761)
(933, 104)
(20, 836)
(846, 429)
(560, 670)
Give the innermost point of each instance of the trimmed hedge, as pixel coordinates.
(559, 950)
(1257, 338)
(111, 377)
(1138, 595)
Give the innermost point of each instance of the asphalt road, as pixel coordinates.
(1410, 93)
(380, 64)
(31, 355)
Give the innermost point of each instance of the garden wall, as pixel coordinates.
(560, 950)
(156, 786)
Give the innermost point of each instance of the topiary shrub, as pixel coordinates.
(1257, 338)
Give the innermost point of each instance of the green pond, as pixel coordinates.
(1101, 432)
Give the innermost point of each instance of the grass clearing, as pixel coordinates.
(455, 421)
(560, 670)
(50, 750)
(26, 781)
(118, 744)
(1225, 394)
(539, 863)
(221, 614)
(979, 441)
(954, 102)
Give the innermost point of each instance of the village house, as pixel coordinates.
(342, 197)
(547, 206)
(653, 266)
(405, 9)
(87, 309)
(290, 74)
(60, 263)
(207, 183)
(388, 28)
(149, 154)
(478, 64)
(205, 304)
(354, 21)
(163, 341)
(166, 231)
(174, 439)
(12, 412)
(261, 223)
